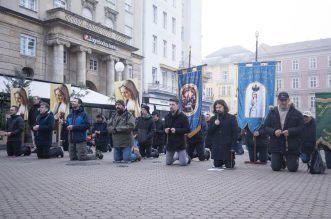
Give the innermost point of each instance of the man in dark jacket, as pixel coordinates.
(176, 126)
(14, 130)
(44, 129)
(308, 136)
(158, 139)
(223, 129)
(261, 140)
(33, 113)
(77, 125)
(100, 133)
(196, 142)
(145, 128)
(284, 125)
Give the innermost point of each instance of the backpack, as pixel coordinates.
(316, 164)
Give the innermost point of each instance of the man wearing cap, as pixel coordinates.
(176, 126)
(308, 137)
(145, 128)
(121, 126)
(284, 125)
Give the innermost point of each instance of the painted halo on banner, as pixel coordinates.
(255, 100)
(189, 99)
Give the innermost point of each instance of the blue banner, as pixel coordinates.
(256, 86)
(190, 94)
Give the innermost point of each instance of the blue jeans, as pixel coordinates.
(124, 153)
(328, 158)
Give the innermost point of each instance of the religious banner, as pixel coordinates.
(127, 90)
(20, 98)
(190, 95)
(60, 100)
(256, 86)
(323, 118)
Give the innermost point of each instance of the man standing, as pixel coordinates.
(223, 130)
(77, 125)
(158, 139)
(176, 126)
(33, 113)
(284, 125)
(308, 136)
(14, 130)
(121, 126)
(44, 129)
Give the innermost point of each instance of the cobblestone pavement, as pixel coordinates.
(59, 188)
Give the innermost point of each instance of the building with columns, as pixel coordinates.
(304, 68)
(72, 41)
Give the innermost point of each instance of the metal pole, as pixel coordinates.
(189, 58)
(257, 43)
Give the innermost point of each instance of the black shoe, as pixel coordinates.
(283, 164)
(99, 155)
(189, 160)
(61, 152)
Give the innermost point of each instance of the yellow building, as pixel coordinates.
(223, 70)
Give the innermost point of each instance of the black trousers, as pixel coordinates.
(228, 163)
(261, 153)
(278, 161)
(199, 147)
(42, 151)
(145, 150)
(14, 148)
(159, 148)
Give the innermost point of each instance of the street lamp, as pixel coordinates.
(256, 36)
(119, 67)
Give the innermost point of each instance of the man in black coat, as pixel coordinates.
(33, 113)
(196, 142)
(100, 133)
(261, 141)
(145, 128)
(176, 126)
(158, 139)
(308, 136)
(14, 130)
(284, 125)
(44, 130)
(223, 130)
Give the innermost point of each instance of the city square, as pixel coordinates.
(59, 188)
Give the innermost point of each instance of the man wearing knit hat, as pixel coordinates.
(145, 129)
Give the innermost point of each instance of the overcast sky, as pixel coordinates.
(234, 22)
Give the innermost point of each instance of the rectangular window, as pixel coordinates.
(30, 4)
(174, 25)
(223, 91)
(312, 63)
(329, 80)
(173, 52)
(229, 90)
(329, 61)
(313, 81)
(295, 65)
(128, 6)
(60, 4)
(154, 14)
(93, 65)
(279, 84)
(154, 44)
(209, 91)
(173, 81)
(164, 78)
(128, 32)
(130, 70)
(295, 100)
(312, 102)
(225, 76)
(165, 48)
(154, 75)
(165, 20)
(27, 45)
(279, 67)
(65, 56)
(295, 83)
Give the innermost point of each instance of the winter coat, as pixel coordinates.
(15, 125)
(224, 136)
(101, 139)
(80, 122)
(262, 139)
(308, 137)
(179, 121)
(46, 124)
(121, 126)
(293, 123)
(200, 136)
(33, 113)
(145, 128)
(158, 138)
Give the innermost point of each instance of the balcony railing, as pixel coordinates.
(72, 18)
(161, 88)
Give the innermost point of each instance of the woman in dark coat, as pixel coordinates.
(308, 137)
(222, 129)
(100, 133)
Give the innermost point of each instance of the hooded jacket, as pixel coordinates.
(80, 122)
(46, 124)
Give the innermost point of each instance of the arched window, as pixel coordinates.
(60, 4)
(109, 23)
(87, 13)
(90, 85)
(28, 72)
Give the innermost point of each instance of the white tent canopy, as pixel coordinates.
(42, 89)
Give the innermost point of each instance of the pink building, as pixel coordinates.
(304, 69)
